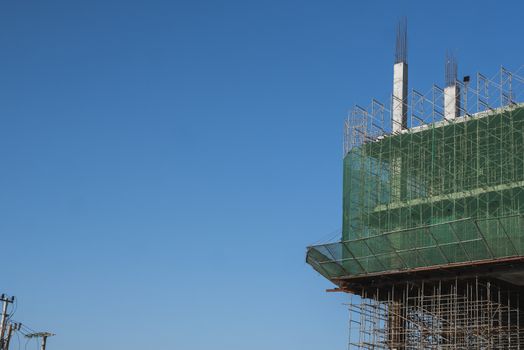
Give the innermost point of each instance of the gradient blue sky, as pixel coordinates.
(164, 164)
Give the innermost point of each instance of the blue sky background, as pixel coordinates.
(164, 164)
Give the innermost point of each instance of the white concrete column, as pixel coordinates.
(451, 102)
(399, 115)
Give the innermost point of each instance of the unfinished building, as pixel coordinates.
(432, 246)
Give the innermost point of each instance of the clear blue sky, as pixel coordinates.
(164, 164)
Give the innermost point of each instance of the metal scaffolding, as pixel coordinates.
(425, 110)
(443, 191)
(467, 314)
(432, 246)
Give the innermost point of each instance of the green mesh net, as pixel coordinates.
(447, 193)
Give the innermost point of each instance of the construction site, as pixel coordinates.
(432, 244)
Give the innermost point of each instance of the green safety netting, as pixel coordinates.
(446, 193)
(466, 240)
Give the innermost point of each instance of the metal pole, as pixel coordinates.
(8, 339)
(43, 335)
(6, 300)
(4, 318)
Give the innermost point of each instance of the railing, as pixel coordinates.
(373, 121)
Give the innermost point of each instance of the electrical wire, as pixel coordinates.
(14, 308)
(330, 236)
(18, 338)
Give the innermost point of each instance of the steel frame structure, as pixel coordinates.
(443, 314)
(441, 194)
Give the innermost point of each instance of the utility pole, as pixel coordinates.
(5, 301)
(43, 335)
(12, 327)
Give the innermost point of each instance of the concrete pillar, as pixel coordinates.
(451, 102)
(400, 95)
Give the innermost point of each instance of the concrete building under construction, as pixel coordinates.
(432, 246)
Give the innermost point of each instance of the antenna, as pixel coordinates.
(401, 44)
